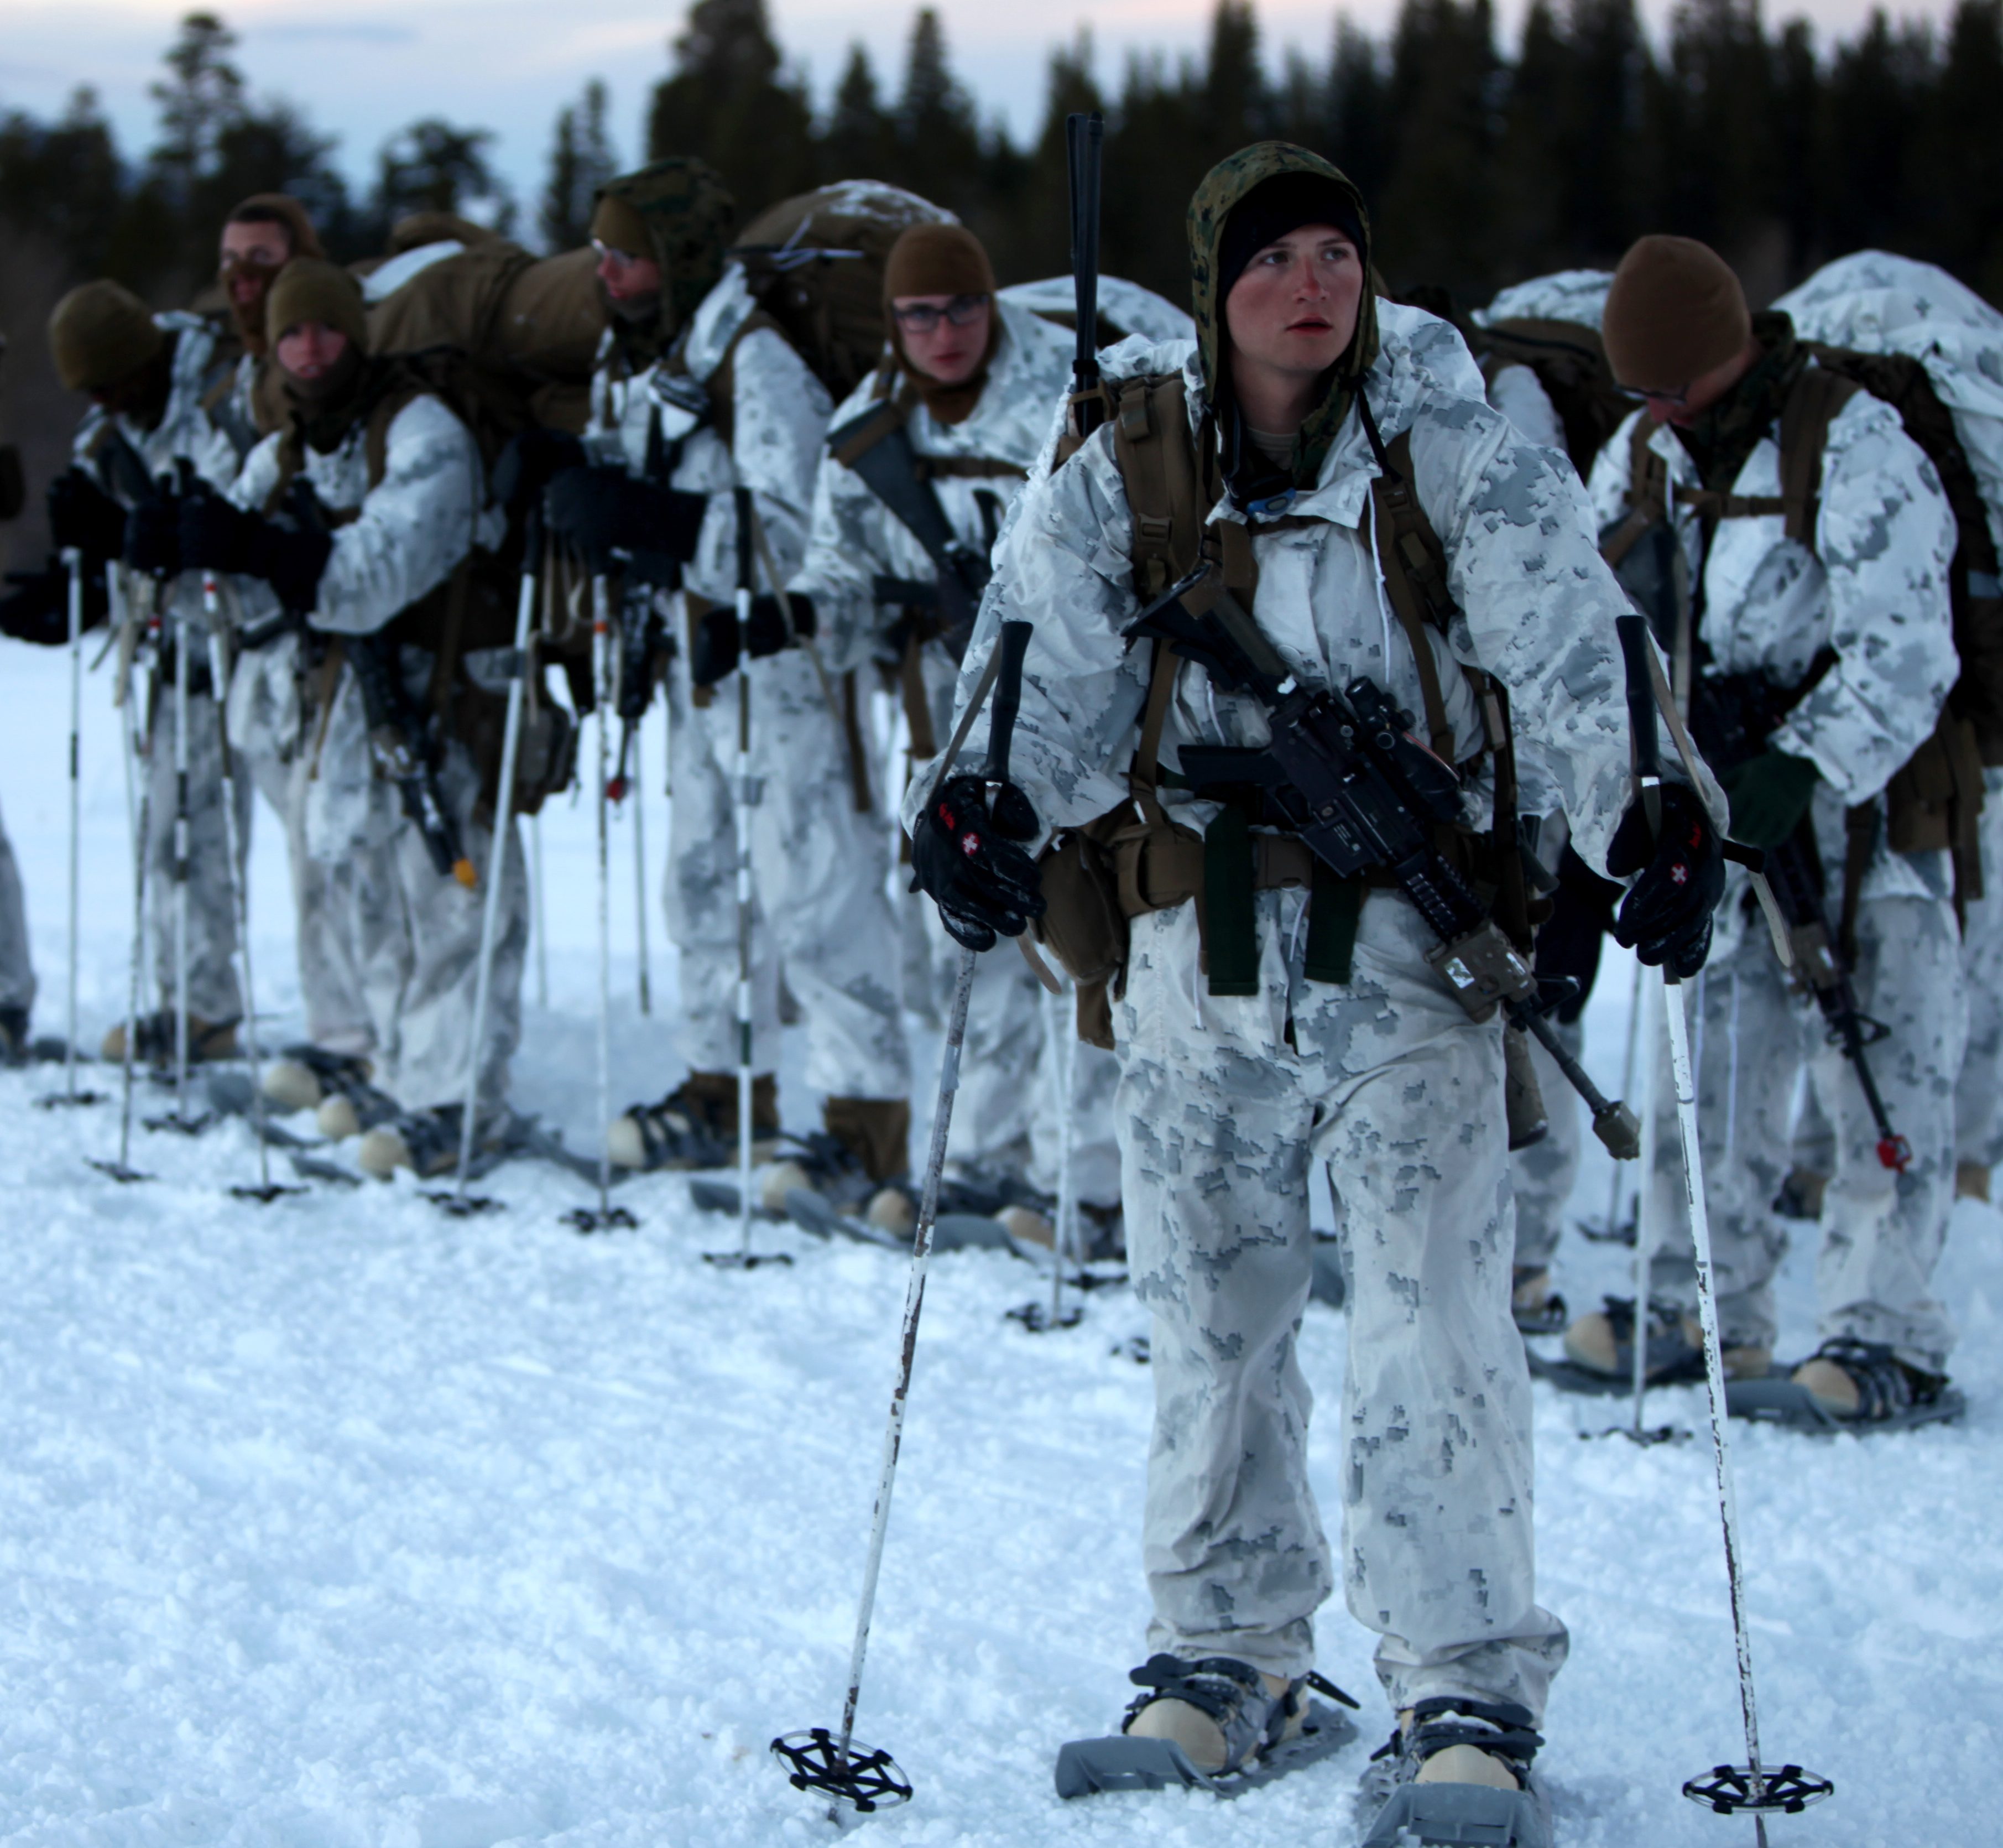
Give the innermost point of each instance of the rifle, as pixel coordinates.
(889, 468)
(1732, 716)
(1345, 773)
(1084, 137)
(400, 738)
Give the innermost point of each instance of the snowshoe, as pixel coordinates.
(1971, 1181)
(207, 1040)
(303, 1076)
(1538, 1308)
(1457, 1773)
(1600, 1351)
(695, 1125)
(812, 1211)
(1214, 1724)
(427, 1141)
(1848, 1385)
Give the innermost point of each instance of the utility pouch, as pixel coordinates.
(1523, 1097)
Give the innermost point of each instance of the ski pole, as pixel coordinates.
(1726, 1788)
(742, 797)
(819, 1761)
(1644, 1215)
(497, 858)
(1635, 1031)
(239, 897)
(1066, 1084)
(139, 818)
(584, 1219)
(181, 845)
(74, 559)
(639, 792)
(542, 930)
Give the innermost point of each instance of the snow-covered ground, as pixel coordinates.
(338, 1524)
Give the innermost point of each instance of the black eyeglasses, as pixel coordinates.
(922, 317)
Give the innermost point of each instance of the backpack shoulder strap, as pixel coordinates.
(1157, 458)
(1648, 494)
(1811, 406)
(382, 415)
(1414, 566)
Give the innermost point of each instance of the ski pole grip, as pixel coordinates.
(1634, 645)
(1007, 700)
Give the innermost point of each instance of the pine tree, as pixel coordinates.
(200, 97)
(580, 161)
(858, 143)
(936, 137)
(1359, 135)
(434, 167)
(730, 102)
(1955, 201)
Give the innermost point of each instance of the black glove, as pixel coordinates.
(715, 646)
(1769, 794)
(534, 458)
(967, 860)
(37, 608)
(601, 510)
(1665, 918)
(768, 632)
(217, 535)
(82, 515)
(153, 535)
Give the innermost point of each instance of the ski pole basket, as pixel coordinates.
(864, 1779)
(1728, 1789)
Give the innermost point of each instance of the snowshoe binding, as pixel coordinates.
(207, 1040)
(1599, 1354)
(1457, 1772)
(1848, 1385)
(1538, 1308)
(695, 1125)
(1213, 1723)
(304, 1076)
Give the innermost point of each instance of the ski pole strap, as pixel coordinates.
(1015, 644)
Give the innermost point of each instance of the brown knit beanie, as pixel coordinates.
(100, 333)
(1674, 313)
(310, 288)
(933, 259)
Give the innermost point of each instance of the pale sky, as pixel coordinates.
(361, 69)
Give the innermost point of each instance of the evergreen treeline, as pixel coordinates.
(1482, 167)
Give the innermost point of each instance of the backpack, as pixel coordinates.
(1570, 362)
(814, 264)
(1932, 804)
(1117, 867)
(525, 335)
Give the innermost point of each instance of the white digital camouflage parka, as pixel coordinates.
(855, 538)
(1537, 602)
(1874, 588)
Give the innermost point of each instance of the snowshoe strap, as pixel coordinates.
(1886, 1386)
(1215, 1684)
(1501, 1728)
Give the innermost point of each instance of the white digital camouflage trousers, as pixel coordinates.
(1881, 1232)
(415, 934)
(1220, 1111)
(323, 904)
(821, 906)
(17, 969)
(1978, 1096)
(212, 991)
(1542, 1175)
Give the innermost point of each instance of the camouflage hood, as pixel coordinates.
(1223, 189)
(689, 216)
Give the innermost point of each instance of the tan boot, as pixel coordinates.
(1599, 1343)
(1200, 1738)
(207, 1040)
(1971, 1181)
(383, 1151)
(876, 1130)
(1028, 1225)
(1462, 1765)
(695, 1125)
(290, 1084)
(336, 1118)
(1538, 1308)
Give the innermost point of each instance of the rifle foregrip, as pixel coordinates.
(1014, 645)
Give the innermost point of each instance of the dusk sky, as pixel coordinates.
(361, 71)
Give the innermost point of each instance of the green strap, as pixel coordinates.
(1335, 904)
(1230, 933)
